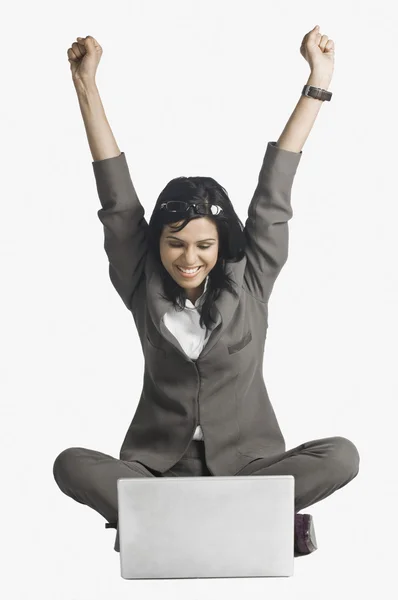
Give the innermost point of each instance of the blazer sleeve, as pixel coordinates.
(125, 228)
(266, 228)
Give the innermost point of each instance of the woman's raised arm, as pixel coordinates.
(84, 56)
(122, 214)
(270, 209)
(318, 51)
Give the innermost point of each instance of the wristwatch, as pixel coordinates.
(315, 92)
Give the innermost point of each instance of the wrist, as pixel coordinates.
(319, 80)
(85, 85)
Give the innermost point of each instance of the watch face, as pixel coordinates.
(317, 93)
(310, 91)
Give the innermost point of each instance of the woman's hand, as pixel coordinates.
(318, 51)
(84, 57)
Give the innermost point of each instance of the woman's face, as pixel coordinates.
(194, 246)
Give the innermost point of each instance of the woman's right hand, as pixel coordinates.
(84, 56)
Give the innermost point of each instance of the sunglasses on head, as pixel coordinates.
(200, 209)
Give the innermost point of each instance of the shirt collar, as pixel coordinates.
(201, 297)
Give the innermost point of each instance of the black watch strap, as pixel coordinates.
(315, 92)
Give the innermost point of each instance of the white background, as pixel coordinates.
(196, 88)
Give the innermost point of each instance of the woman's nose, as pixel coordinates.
(191, 257)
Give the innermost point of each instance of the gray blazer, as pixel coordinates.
(224, 386)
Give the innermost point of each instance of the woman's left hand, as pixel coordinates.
(318, 51)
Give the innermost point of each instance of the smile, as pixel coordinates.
(189, 272)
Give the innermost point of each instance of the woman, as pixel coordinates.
(197, 284)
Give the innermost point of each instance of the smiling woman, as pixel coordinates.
(210, 235)
(204, 407)
(187, 259)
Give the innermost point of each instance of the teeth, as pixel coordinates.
(189, 270)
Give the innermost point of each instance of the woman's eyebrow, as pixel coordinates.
(176, 238)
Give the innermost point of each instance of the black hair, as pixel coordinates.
(204, 190)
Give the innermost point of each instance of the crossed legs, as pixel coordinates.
(320, 467)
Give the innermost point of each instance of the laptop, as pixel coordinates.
(194, 527)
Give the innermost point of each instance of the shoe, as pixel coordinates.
(304, 535)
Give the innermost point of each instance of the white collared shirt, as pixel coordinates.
(185, 327)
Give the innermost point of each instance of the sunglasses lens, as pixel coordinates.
(215, 210)
(206, 209)
(176, 206)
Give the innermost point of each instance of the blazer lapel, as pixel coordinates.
(223, 309)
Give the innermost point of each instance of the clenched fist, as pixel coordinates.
(318, 51)
(84, 56)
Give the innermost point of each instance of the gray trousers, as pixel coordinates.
(319, 467)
